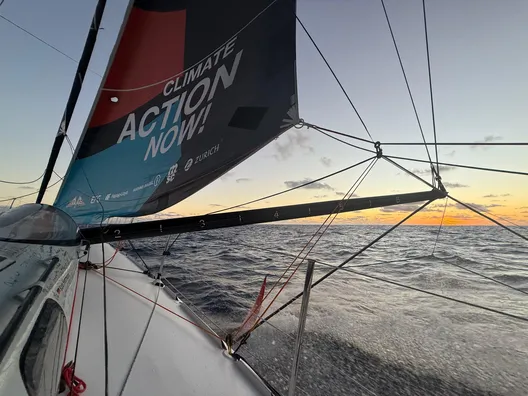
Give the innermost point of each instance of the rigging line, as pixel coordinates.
(124, 269)
(430, 84)
(27, 182)
(407, 171)
(161, 306)
(38, 38)
(137, 253)
(105, 311)
(506, 220)
(173, 242)
(436, 294)
(197, 63)
(105, 316)
(165, 279)
(338, 208)
(274, 370)
(440, 227)
(136, 353)
(80, 318)
(481, 275)
(460, 166)
(340, 266)
(489, 218)
(456, 144)
(335, 77)
(33, 193)
(406, 81)
(45, 43)
(347, 143)
(308, 125)
(293, 188)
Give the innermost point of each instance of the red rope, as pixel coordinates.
(165, 308)
(74, 383)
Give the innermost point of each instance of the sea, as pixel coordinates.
(422, 311)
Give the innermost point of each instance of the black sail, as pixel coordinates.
(193, 89)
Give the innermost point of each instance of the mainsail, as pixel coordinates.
(193, 89)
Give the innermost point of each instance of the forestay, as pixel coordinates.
(192, 89)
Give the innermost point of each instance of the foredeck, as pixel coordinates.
(176, 358)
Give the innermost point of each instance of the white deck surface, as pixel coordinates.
(176, 358)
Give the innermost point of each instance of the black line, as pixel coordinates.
(430, 84)
(293, 188)
(319, 128)
(435, 294)
(329, 273)
(407, 171)
(456, 144)
(27, 182)
(335, 76)
(481, 275)
(33, 193)
(460, 166)
(406, 80)
(489, 218)
(137, 253)
(347, 143)
(80, 318)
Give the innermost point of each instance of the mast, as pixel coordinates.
(74, 95)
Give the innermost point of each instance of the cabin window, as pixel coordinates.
(43, 354)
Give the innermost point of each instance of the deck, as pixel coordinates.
(176, 358)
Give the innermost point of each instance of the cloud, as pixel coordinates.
(451, 153)
(243, 180)
(426, 171)
(320, 196)
(481, 208)
(293, 141)
(326, 161)
(313, 186)
(487, 139)
(26, 188)
(340, 193)
(496, 196)
(524, 211)
(400, 208)
(217, 205)
(454, 185)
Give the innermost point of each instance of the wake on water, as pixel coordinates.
(364, 336)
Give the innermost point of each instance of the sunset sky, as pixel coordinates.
(479, 63)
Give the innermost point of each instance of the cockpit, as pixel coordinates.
(38, 224)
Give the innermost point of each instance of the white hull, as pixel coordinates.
(176, 358)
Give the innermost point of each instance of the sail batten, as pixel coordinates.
(194, 88)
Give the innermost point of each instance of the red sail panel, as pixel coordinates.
(253, 314)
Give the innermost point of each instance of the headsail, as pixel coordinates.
(194, 88)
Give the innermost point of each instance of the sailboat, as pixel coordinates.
(191, 90)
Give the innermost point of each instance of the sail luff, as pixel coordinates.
(147, 229)
(75, 91)
(99, 90)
